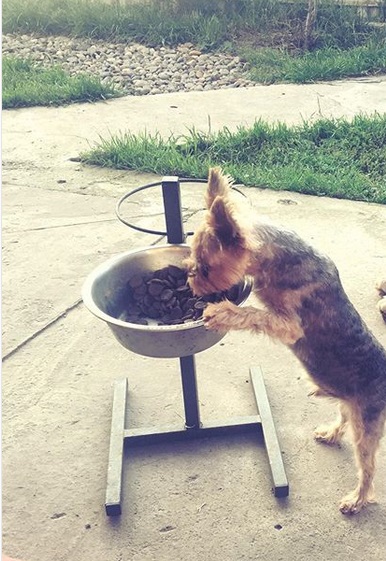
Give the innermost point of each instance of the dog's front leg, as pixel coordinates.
(226, 315)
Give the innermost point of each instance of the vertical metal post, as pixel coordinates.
(175, 231)
(189, 389)
(172, 204)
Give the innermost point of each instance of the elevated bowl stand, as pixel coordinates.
(121, 436)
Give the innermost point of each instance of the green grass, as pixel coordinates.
(208, 23)
(26, 84)
(343, 42)
(158, 21)
(331, 63)
(337, 158)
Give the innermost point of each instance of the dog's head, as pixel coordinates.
(220, 254)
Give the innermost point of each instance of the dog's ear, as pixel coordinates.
(218, 185)
(212, 246)
(223, 222)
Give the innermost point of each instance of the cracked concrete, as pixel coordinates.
(182, 501)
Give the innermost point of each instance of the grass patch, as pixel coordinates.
(269, 65)
(153, 22)
(209, 23)
(26, 84)
(343, 43)
(335, 158)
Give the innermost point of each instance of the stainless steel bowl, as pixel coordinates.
(105, 293)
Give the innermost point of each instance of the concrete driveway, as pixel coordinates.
(200, 500)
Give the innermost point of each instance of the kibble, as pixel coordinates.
(164, 297)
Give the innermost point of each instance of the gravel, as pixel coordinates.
(131, 67)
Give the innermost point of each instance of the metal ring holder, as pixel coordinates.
(261, 424)
(171, 206)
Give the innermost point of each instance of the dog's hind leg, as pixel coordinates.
(367, 434)
(332, 434)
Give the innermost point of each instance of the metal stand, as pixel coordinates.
(262, 424)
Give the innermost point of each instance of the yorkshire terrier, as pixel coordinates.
(305, 307)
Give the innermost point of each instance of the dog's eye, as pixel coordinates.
(205, 271)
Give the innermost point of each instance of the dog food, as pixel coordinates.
(165, 297)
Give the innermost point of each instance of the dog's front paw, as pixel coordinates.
(219, 316)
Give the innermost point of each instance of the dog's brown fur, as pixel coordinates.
(306, 308)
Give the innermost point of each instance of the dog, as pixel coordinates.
(306, 308)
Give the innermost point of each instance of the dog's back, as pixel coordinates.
(337, 348)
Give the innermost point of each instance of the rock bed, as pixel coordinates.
(134, 68)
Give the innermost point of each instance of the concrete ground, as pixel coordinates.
(188, 501)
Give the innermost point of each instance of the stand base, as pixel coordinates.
(262, 424)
